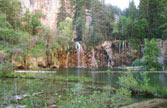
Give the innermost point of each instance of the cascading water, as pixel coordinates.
(119, 50)
(161, 58)
(93, 60)
(123, 48)
(108, 64)
(67, 59)
(80, 54)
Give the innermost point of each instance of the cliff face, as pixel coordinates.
(48, 8)
(112, 54)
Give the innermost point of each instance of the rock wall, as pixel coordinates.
(48, 8)
(111, 54)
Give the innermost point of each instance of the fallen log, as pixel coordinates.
(39, 72)
(125, 72)
(147, 104)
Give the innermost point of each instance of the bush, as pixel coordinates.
(153, 66)
(96, 100)
(151, 53)
(138, 62)
(6, 67)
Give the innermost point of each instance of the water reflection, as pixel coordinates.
(158, 80)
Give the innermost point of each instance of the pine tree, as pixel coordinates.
(143, 8)
(163, 18)
(133, 12)
(62, 14)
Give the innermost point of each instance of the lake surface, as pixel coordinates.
(51, 89)
(156, 79)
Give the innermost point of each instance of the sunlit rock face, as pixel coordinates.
(48, 8)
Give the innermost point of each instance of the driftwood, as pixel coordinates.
(147, 104)
(20, 97)
(40, 72)
(121, 72)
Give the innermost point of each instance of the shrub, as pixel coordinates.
(6, 67)
(151, 53)
(138, 62)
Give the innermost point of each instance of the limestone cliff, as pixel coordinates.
(48, 8)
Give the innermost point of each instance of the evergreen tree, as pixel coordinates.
(132, 10)
(163, 18)
(62, 14)
(80, 17)
(143, 8)
(151, 9)
(12, 10)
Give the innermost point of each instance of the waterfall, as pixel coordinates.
(93, 78)
(161, 58)
(93, 60)
(80, 54)
(108, 64)
(119, 50)
(123, 48)
(67, 59)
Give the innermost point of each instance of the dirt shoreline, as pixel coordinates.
(153, 103)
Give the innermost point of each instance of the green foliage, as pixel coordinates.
(132, 11)
(151, 53)
(80, 17)
(31, 22)
(6, 68)
(11, 9)
(128, 81)
(138, 62)
(153, 11)
(65, 33)
(97, 99)
(101, 26)
(142, 83)
(132, 28)
(163, 18)
(122, 96)
(62, 14)
(24, 36)
(108, 71)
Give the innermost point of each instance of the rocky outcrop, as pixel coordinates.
(120, 53)
(48, 8)
(110, 53)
